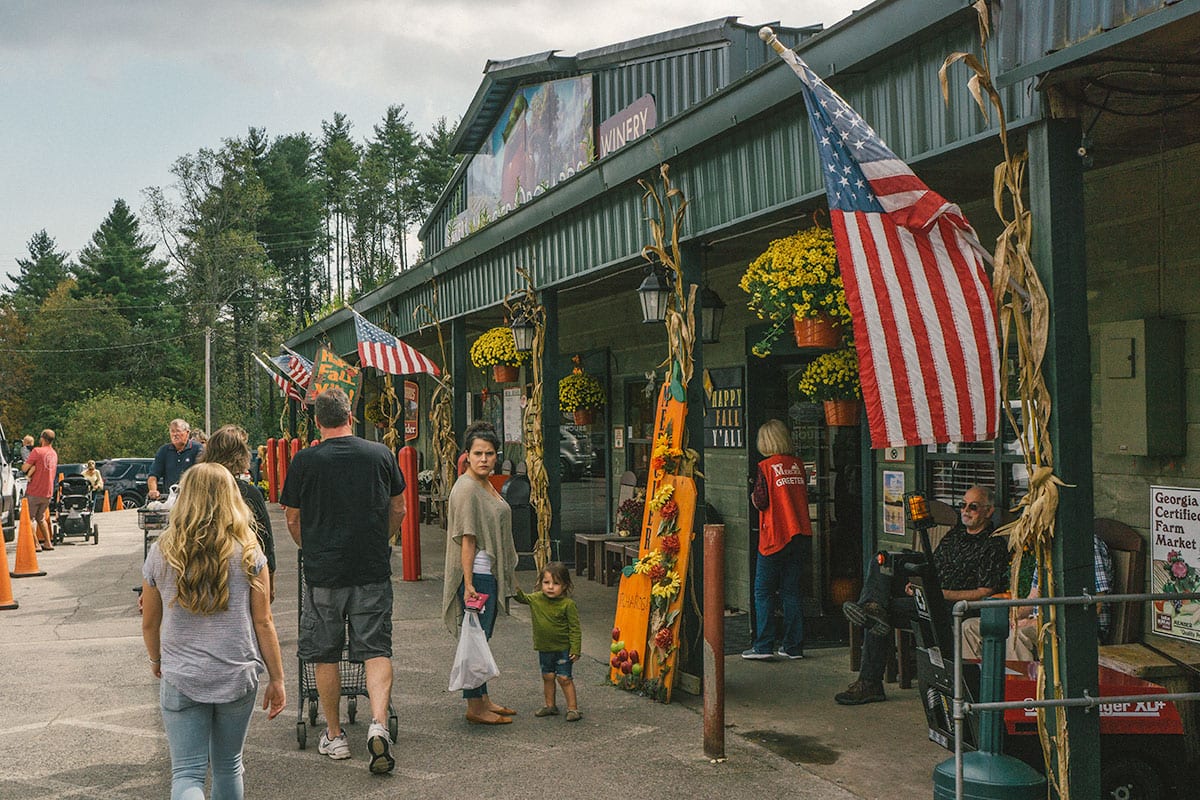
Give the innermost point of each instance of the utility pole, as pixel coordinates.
(207, 381)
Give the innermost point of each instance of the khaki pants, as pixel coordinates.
(1021, 644)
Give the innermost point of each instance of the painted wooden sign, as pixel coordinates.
(649, 599)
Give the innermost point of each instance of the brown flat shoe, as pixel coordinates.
(481, 721)
(503, 711)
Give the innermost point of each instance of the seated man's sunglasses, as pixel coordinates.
(971, 506)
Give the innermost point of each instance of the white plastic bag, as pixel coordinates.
(473, 662)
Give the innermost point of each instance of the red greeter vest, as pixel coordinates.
(787, 512)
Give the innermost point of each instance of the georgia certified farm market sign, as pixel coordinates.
(1175, 554)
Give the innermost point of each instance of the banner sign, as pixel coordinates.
(412, 397)
(725, 404)
(330, 370)
(1175, 559)
(630, 123)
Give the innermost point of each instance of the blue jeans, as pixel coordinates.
(778, 572)
(198, 732)
(484, 584)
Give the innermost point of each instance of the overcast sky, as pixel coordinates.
(99, 97)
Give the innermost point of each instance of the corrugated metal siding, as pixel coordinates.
(763, 164)
(677, 80)
(1027, 30)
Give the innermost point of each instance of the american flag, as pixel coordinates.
(920, 298)
(379, 349)
(297, 367)
(286, 387)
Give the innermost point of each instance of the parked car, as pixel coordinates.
(575, 454)
(11, 490)
(126, 478)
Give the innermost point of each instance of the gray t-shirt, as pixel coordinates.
(210, 658)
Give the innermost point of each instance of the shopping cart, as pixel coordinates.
(152, 521)
(352, 673)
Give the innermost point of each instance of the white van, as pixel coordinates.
(10, 500)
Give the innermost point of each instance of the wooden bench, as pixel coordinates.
(1141, 662)
(615, 559)
(589, 553)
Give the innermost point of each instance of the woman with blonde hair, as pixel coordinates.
(209, 633)
(781, 497)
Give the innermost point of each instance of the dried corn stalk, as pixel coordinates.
(1024, 315)
(441, 413)
(526, 303)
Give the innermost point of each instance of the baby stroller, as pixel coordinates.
(73, 515)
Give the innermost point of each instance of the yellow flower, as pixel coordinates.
(496, 346)
(643, 565)
(662, 496)
(832, 376)
(668, 587)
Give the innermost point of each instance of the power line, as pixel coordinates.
(100, 349)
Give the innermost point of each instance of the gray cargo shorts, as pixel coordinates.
(365, 611)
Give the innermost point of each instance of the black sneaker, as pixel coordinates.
(795, 655)
(754, 655)
(870, 615)
(861, 692)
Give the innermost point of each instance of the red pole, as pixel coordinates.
(281, 462)
(714, 641)
(410, 529)
(272, 476)
(314, 443)
(295, 449)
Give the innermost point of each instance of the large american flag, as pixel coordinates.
(921, 300)
(380, 349)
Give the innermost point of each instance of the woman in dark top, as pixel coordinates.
(228, 447)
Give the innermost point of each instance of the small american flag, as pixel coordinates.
(920, 298)
(298, 368)
(286, 387)
(379, 349)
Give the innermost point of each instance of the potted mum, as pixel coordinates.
(796, 280)
(580, 394)
(832, 378)
(496, 349)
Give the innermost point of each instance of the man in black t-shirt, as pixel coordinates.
(971, 565)
(343, 502)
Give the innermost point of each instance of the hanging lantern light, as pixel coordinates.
(523, 331)
(712, 313)
(654, 295)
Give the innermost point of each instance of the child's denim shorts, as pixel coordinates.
(555, 661)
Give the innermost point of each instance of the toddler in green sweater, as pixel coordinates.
(556, 636)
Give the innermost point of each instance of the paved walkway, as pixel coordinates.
(79, 707)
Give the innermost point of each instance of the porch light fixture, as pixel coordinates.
(712, 313)
(523, 331)
(654, 295)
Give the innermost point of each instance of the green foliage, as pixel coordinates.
(119, 263)
(117, 424)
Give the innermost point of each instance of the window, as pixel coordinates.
(951, 469)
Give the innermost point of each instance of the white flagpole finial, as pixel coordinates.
(767, 35)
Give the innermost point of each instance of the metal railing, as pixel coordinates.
(962, 707)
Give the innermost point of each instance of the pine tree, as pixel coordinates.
(435, 166)
(40, 274)
(119, 263)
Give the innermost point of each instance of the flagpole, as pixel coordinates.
(767, 35)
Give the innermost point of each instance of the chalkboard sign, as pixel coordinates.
(724, 408)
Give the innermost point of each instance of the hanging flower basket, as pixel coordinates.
(579, 392)
(839, 413)
(496, 346)
(821, 332)
(796, 278)
(505, 373)
(584, 416)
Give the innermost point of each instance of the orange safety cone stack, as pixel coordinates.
(7, 603)
(26, 563)
(106, 507)
(120, 503)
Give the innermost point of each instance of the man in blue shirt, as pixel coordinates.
(172, 459)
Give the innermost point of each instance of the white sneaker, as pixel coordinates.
(379, 745)
(336, 748)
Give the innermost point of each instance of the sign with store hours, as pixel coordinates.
(724, 408)
(1175, 559)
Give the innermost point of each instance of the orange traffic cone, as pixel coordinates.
(26, 563)
(120, 504)
(7, 603)
(104, 508)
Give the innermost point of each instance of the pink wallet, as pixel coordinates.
(476, 603)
